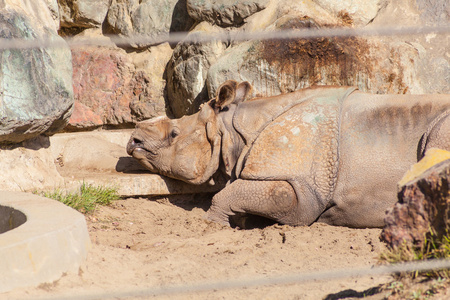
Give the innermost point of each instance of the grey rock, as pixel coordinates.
(431, 66)
(434, 12)
(186, 72)
(223, 12)
(357, 12)
(36, 94)
(377, 65)
(83, 13)
(152, 19)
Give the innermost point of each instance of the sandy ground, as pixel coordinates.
(150, 243)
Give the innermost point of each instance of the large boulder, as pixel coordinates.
(399, 64)
(153, 64)
(109, 90)
(431, 67)
(279, 66)
(189, 65)
(358, 12)
(83, 13)
(187, 69)
(36, 83)
(423, 207)
(149, 18)
(224, 13)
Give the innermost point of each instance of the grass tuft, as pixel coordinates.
(434, 247)
(86, 199)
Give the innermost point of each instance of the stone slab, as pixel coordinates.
(100, 158)
(64, 161)
(54, 240)
(135, 185)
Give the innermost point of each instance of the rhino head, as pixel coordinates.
(190, 148)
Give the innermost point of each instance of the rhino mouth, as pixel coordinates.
(136, 149)
(135, 145)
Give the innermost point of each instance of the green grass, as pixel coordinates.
(434, 247)
(86, 198)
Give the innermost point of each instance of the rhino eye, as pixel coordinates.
(174, 133)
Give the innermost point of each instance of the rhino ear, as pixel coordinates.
(243, 92)
(225, 94)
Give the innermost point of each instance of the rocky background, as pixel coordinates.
(57, 87)
(43, 90)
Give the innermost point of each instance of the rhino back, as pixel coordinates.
(252, 117)
(384, 130)
(378, 143)
(301, 145)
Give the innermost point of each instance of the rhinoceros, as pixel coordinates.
(328, 154)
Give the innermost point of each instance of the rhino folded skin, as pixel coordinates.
(341, 151)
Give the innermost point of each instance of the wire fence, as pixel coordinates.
(294, 278)
(238, 36)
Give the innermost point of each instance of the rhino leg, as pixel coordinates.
(275, 200)
(437, 135)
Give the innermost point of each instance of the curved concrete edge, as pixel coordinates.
(54, 240)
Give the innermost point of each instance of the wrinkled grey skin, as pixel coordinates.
(327, 154)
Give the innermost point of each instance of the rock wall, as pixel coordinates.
(115, 86)
(44, 90)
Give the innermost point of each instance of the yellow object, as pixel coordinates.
(432, 157)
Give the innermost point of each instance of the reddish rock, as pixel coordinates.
(424, 204)
(108, 90)
(84, 117)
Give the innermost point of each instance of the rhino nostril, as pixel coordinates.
(133, 144)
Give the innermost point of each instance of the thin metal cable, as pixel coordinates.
(238, 36)
(294, 278)
(174, 38)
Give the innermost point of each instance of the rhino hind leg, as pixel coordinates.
(275, 200)
(437, 135)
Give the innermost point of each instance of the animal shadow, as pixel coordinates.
(352, 294)
(129, 165)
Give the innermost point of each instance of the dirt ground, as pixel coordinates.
(151, 243)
